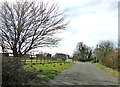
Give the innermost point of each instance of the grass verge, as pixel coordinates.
(109, 70)
(47, 71)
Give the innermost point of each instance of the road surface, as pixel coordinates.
(84, 74)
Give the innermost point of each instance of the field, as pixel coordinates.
(37, 61)
(47, 71)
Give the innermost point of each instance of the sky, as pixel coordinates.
(90, 22)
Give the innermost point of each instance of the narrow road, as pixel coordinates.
(84, 74)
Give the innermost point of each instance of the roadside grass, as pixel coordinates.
(107, 69)
(47, 71)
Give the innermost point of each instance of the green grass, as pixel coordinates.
(109, 70)
(48, 71)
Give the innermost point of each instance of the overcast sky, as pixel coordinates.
(90, 22)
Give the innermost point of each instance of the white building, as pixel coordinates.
(68, 60)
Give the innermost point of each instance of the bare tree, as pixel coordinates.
(26, 25)
(82, 51)
(104, 49)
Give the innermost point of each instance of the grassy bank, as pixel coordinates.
(47, 71)
(109, 70)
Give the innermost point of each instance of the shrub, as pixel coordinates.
(112, 60)
(94, 60)
(49, 62)
(13, 72)
(50, 75)
(40, 70)
(46, 65)
(54, 65)
(33, 63)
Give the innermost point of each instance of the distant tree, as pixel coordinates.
(103, 49)
(82, 51)
(48, 57)
(60, 56)
(75, 57)
(27, 25)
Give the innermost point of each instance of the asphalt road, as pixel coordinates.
(84, 74)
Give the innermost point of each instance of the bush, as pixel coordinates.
(94, 60)
(52, 73)
(112, 60)
(33, 63)
(13, 72)
(47, 66)
(49, 62)
(40, 70)
(54, 65)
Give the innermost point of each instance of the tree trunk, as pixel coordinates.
(15, 53)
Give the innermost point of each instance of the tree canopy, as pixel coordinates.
(82, 51)
(28, 25)
(104, 49)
